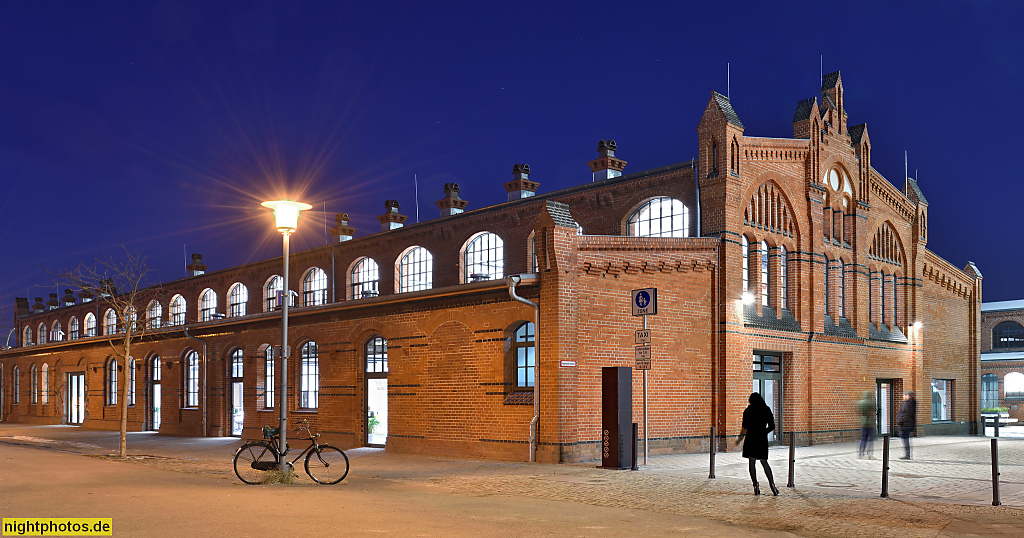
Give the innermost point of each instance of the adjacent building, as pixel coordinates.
(1002, 357)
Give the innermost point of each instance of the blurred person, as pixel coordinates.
(868, 412)
(758, 422)
(907, 421)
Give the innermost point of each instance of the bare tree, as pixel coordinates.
(122, 285)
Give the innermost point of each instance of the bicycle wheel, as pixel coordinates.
(327, 464)
(253, 461)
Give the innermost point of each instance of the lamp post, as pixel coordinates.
(286, 215)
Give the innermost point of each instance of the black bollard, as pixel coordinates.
(792, 458)
(995, 472)
(996, 420)
(885, 466)
(636, 428)
(713, 448)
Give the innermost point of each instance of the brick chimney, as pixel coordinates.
(521, 187)
(69, 298)
(86, 294)
(391, 219)
(38, 306)
(606, 166)
(451, 204)
(342, 232)
(196, 268)
(53, 303)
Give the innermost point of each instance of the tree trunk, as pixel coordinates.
(123, 448)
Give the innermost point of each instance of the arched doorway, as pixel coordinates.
(376, 355)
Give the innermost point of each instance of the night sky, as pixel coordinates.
(162, 125)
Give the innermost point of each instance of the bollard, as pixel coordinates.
(995, 472)
(996, 420)
(792, 458)
(713, 441)
(635, 436)
(885, 466)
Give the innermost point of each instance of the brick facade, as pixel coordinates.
(1006, 358)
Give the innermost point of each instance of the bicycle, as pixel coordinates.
(325, 464)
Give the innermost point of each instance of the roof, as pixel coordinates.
(830, 80)
(1003, 356)
(726, 107)
(917, 190)
(999, 306)
(857, 132)
(560, 214)
(803, 109)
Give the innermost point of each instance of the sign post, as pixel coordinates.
(644, 303)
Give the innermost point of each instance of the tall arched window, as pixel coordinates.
(44, 382)
(485, 258)
(826, 290)
(841, 292)
(131, 381)
(989, 391)
(190, 380)
(1008, 334)
(207, 305)
(110, 322)
(111, 384)
(155, 314)
(90, 324)
(42, 333)
(73, 329)
(764, 274)
(238, 300)
(881, 298)
(660, 217)
(33, 384)
(416, 270)
(1013, 385)
(895, 300)
(237, 363)
(57, 332)
(309, 377)
(15, 385)
(365, 278)
(783, 278)
(178, 307)
(268, 377)
(26, 339)
(314, 287)
(745, 252)
(376, 355)
(131, 317)
(274, 287)
(525, 355)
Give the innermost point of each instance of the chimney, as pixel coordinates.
(196, 268)
(69, 298)
(53, 303)
(21, 307)
(391, 219)
(342, 232)
(451, 204)
(606, 166)
(521, 187)
(86, 294)
(38, 306)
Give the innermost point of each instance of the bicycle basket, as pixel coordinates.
(270, 432)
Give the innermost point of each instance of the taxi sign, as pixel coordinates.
(643, 336)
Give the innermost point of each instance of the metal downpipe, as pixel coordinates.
(513, 281)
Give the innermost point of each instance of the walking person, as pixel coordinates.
(758, 422)
(907, 421)
(867, 410)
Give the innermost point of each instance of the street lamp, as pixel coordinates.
(286, 216)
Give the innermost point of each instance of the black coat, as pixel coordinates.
(906, 418)
(759, 422)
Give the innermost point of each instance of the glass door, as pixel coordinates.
(75, 411)
(768, 383)
(884, 399)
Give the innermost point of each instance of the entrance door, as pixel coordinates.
(884, 399)
(768, 383)
(154, 394)
(75, 406)
(376, 353)
(237, 411)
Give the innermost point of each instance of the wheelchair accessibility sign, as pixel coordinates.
(645, 302)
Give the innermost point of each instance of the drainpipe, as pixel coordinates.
(203, 340)
(513, 281)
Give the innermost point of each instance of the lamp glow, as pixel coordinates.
(748, 298)
(917, 325)
(286, 214)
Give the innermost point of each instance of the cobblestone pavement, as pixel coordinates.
(945, 490)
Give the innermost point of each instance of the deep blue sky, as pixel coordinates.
(158, 124)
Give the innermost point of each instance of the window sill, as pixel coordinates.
(305, 410)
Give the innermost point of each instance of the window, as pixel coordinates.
(131, 381)
(238, 300)
(895, 302)
(314, 287)
(191, 379)
(33, 384)
(268, 377)
(1007, 334)
(660, 217)
(207, 305)
(110, 322)
(365, 277)
(73, 329)
(825, 283)
(745, 251)
(155, 374)
(871, 297)
(274, 286)
(177, 310)
(90, 324)
(1013, 385)
(236, 363)
(989, 391)
(42, 333)
(881, 295)
(484, 260)
(783, 278)
(764, 273)
(377, 355)
(131, 318)
(841, 295)
(27, 339)
(57, 333)
(111, 383)
(533, 252)
(942, 399)
(44, 382)
(309, 377)
(155, 314)
(15, 384)
(525, 357)
(416, 270)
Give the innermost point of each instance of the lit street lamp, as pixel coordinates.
(286, 215)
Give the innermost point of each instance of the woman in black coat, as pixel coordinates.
(758, 422)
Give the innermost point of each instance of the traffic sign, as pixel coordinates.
(645, 302)
(643, 336)
(643, 364)
(643, 352)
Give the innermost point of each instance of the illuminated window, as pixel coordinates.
(1008, 334)
(207, 305)
(191, 379)
(525, 356)
(237, 363)
(309, 377)
(783, 278)
(57, 332)
(178, 307)
(660, 217)
(238, 299)
(73, 329)
(90, 325)
(44, 380)
(42, 333)
(942, 400)
(365, 277)
(745, 251)
(377, 355)
(16, 384)
(131, 381)
(155, 314)
(111, 383)
(314, 287)
(27, 337)
(33, 384)
(132, 318)
(484, 259)
(416, 270)
(268, 377)
(270, 292)
(989, 391)
(110, 322)
(764, 274)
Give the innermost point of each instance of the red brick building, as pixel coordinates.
(787, 266)
(1002, 357)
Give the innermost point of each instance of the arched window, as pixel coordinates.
(33, 384)
(178, 307)
(309, 377)
(111, 384)
(268, 377)
(314, 287)
(132, 318)
(131, 381)
(15, 385)
(57, 333)
(238, 300)
(190, 380)
(376, 355)
(826, 290)
(783, 278)
(110, 322)
(365, 277)
(1008, 334)
(90, 325)
(274, 287)
(764, 274)
(237, 363)
(73, 329)
(881, 290)
(1013, 385)
(841, 292)
(895, 300)
(155, 314)
(745, 252)
(42, 333)
(44, 382)
(989, 391)
(26, 339)
(207, 305)
(660, 217)
(416, 270)
(485, 258)
(525, 356)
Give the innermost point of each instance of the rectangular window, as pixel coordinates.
(268, 378)
(784, 279)
(942, 400)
